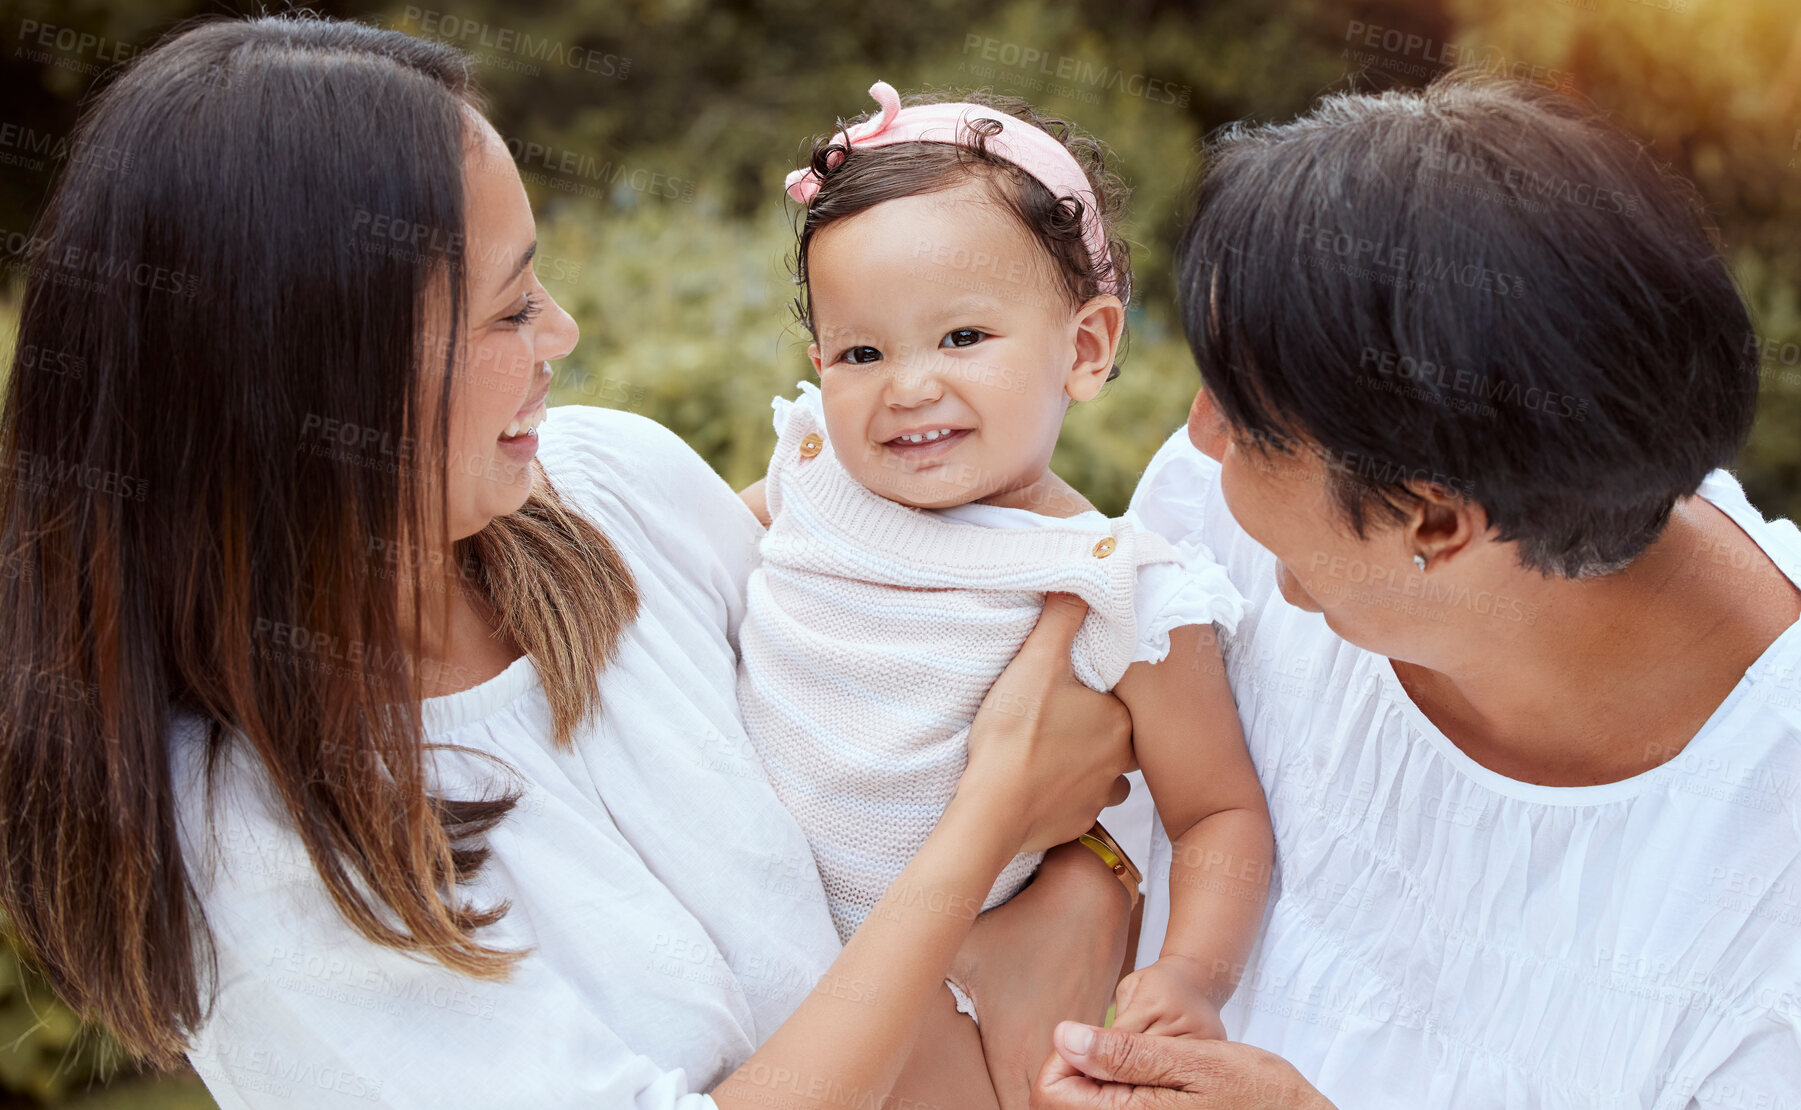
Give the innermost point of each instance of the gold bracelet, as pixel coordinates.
(1099, 841)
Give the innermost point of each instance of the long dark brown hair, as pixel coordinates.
(223, 425)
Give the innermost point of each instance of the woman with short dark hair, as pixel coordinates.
(1520, 675)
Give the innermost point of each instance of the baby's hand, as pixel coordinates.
(1170, 999)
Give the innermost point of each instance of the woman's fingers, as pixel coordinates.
(1115, 1056)
(1049, 745)
(1097, 1069)
(1062, 1086)
(1055, 631)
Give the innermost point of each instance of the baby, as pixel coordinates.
(963, 285)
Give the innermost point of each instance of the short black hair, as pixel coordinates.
(1481, 284)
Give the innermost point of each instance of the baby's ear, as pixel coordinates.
(1094, 333)
(813, 354)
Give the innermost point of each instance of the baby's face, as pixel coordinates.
(947, 350)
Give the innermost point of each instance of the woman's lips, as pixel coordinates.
(519, 441)
(526, 421)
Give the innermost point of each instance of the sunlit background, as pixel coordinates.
(653, 136)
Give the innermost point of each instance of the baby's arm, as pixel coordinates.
(753, 497)
(1188, 740)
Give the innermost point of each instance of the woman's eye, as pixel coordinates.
(963, 337)
(860, 355)
(526, 314)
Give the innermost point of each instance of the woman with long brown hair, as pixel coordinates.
(368, 730)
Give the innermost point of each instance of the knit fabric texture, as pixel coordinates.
(873, 631)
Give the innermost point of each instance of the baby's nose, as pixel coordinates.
(912, 385)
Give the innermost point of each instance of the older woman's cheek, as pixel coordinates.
(1254, 505)
(1206, 428)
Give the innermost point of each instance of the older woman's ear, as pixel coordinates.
(1442, 522)
(1206, 427)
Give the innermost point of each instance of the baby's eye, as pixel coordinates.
(860, 355)
(963, 337)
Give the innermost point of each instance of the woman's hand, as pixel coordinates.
(1045, 748)
(1105, 1069)
(1072, 917)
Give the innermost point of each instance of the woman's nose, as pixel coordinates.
(557, 339)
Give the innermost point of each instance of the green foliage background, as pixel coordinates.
(683, 299)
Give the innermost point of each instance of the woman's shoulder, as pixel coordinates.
(587, 444)
(618, 467)
(673, 518)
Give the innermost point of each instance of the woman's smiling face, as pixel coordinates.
(512, 330)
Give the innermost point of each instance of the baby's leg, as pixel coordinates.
(1053, 952)
(946, 1069)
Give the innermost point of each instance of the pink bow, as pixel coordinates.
(1030, 148)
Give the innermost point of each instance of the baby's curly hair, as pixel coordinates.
(867, 176)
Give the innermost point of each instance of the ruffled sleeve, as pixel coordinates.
(1176, 595)
(809, 396)
(1179, 498)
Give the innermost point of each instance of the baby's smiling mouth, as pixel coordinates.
(924, 440)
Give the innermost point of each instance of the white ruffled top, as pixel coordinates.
(1440, 935)
(670, 905)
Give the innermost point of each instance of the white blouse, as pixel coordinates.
(671, 904)
(1440, 935)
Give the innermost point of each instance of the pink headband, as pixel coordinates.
(1030, 148)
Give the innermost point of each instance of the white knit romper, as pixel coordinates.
(871, 634)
